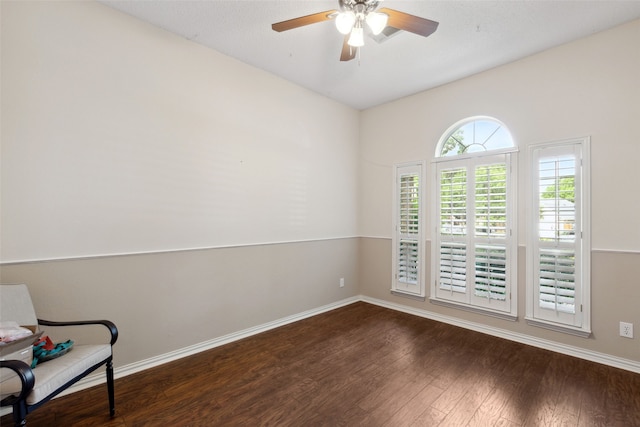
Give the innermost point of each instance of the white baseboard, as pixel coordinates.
(581, 353)
(132, 368)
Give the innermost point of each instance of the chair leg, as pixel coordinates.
(110, 389)
(19, 414)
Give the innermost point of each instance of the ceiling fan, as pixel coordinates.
(351, 18)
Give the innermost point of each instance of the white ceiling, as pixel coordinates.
(473, 36)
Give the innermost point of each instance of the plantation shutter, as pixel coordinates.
(452, 249)
(491, 272)
(557, 245)
(408, 230)
(474, 244)
(490, 234)
(557, 281)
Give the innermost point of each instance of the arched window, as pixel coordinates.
(474, 135)
(475, 244)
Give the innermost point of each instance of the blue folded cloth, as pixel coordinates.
(40, 354)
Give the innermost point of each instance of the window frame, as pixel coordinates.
(467, 300)
(578, 323)
(413, 290)
(470, 161)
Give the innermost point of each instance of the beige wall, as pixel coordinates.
(124, 146)
(120, 137)
(585, 88)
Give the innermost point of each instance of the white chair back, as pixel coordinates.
(16, 305)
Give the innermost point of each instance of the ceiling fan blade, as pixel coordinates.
(348, 52)
(414, 24)
(304, 20)
(385, 35)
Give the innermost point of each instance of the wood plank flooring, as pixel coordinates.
(362, 365)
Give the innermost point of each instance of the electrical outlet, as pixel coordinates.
(342, 282)
(626, 330)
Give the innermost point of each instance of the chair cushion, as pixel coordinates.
(53, 374)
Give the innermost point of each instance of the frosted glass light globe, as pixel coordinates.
(357, 37)
(377, 22)
(345, 21)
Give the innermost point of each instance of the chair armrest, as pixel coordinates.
(113, 330)
(25, 374)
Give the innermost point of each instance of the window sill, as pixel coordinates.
(473, 309)
(559, 328)
(408, 295)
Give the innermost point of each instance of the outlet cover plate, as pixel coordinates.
(626, 330)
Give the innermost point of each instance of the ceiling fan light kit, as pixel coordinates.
(354, 13)
(350, 22)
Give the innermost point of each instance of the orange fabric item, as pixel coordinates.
(48, 343)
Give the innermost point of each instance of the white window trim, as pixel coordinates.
(511, 159)
(585, 241)
(398, 287)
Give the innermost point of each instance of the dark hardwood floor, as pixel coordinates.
(362, 365)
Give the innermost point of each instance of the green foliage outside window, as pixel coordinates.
(565, 189)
